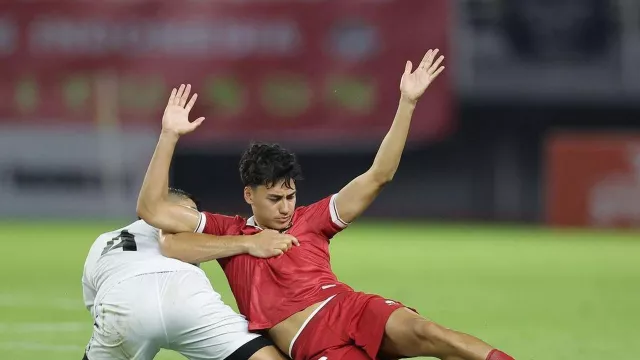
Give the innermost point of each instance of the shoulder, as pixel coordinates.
(140, 227)
(218, 224)
(320, 205)
(137, 227)
(225, 218)
(322, 210)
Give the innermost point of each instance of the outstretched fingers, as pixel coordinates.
(185, 95)
(436, 65)
(427, 60)
(191, 102)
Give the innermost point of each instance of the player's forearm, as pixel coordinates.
(198, 248)
(355, 197)
(389, 154)
(155, 186)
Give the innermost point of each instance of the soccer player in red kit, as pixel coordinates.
(295, 297)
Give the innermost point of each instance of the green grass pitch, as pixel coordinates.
(537, 294)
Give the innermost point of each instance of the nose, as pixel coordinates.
(285, 207)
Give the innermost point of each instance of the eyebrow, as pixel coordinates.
(279, 196)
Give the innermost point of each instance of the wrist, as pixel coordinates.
(169, 135)
(246, 244)
(406, 101)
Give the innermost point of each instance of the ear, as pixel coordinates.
(248, 195)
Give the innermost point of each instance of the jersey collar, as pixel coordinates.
(252, 222)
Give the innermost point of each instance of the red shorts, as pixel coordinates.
(349, 326)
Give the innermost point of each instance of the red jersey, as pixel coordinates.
(270, 290)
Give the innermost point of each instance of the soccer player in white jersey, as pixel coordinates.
(142, 301)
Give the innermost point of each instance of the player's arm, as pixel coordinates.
(355, 197)
(197, 248)
(153, 205)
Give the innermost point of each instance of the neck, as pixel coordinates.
(257, 224)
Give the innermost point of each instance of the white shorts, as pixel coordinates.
(172, 310)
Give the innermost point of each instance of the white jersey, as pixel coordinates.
(145, 301)
(122, 254)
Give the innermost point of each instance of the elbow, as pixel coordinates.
(142, 210)
(170, 247)
(382, 178)
(167, 247)
(147, 213)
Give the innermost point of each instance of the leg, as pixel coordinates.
(257, 349)
(407, 334)
(346, 352)
(268, 353)
(125, 324)
(201, 327)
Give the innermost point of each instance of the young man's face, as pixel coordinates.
(272, 206)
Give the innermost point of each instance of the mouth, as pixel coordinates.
(283, 220)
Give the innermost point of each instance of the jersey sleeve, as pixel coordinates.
(214, 224)
(324, 218)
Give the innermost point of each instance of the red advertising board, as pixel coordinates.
(315, 70)
(593, 180)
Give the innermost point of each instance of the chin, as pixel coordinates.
(277, 225)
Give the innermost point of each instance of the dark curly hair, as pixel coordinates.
(267, 164)
(185, 195)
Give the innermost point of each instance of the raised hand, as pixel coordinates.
(414, 84)
(270, 243)
(176, 114)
